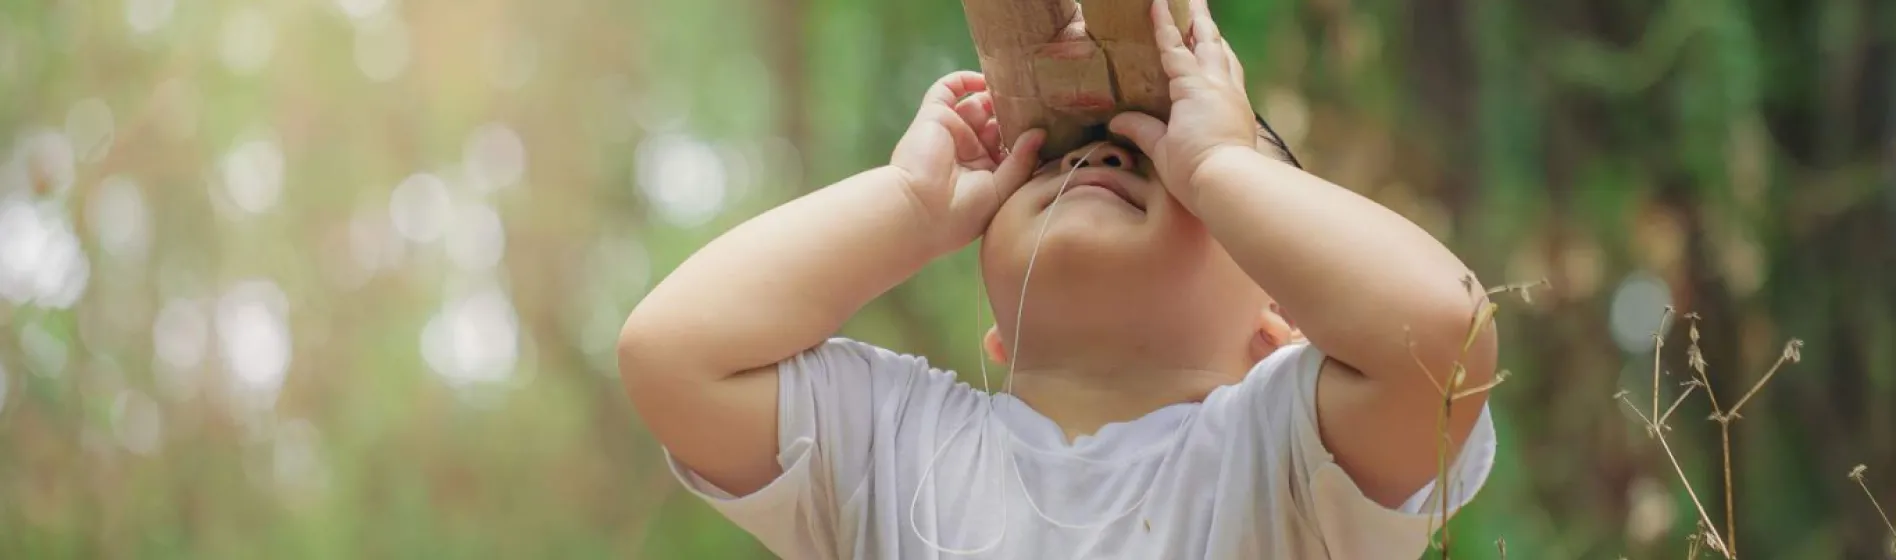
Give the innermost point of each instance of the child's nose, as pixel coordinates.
(1098, 154)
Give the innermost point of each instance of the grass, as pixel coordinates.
(1856, 474)
(1707, 535)
(1453, 389)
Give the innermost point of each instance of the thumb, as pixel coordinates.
(1142, 129)
(1019, 165)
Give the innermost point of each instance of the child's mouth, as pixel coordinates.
(1088, 182)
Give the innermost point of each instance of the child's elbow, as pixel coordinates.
(639, 349)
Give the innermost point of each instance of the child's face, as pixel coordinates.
(1118, 248)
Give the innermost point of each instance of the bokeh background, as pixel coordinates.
(341, 278)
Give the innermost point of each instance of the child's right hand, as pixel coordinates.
(951, 161)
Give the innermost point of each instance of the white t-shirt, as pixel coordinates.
(1241, 475)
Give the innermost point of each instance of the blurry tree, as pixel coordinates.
(340, 278)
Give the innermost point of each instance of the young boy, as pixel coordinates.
(1164, 407)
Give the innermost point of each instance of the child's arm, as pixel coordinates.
(697, 355)
(1360, 280)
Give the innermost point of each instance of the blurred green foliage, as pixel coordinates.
(340, 278)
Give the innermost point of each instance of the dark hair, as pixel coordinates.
(1283, 151)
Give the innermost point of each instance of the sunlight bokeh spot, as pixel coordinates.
(253, 175)
(420, 207)
(116, 212)
(1652, 514)
(90, 129)
(1636, 310)
(253, 339)
(476, 239)
(248, 40)
(473, 339)
(41, 260)
(493, 157)
(136, 422)
(683, 177)
(179, 335)
(146, 16)
(382, 49)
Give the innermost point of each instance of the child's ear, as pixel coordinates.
(1274, 330)
(992, 343)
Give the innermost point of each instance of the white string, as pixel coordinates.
(1007, 388)
(986, 412)
(1020, 314)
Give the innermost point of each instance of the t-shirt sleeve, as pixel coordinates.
(826, 408)
(1276, 403)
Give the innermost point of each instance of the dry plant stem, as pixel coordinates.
(1689, 386)
(1696, 356)
(1523, 288)
(1792, 353)
(1501, 545)
(1441, 465)
(1717, 540)
(1452, 390)
(1655, 430)
(1725, 418)
(1658, 344)
(1727, 543)
(1857, 475)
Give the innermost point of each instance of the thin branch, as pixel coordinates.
(1652, 428)
(1658, 344)
(1409, 339)
(1689, 386)
(1856, 474)
(1793, 352)
(1525, 289)
(1499, 377)
(1696, 357)
(1711, 531)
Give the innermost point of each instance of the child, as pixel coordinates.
(1164, 406)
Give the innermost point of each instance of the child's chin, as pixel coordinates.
(1103, 240)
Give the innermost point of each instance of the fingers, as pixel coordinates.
(1144, 130)
(1177, 60)
(978, 111)
(968, 148)
(951, 88)
(1019, 165)
(1207, 43)
(991, 139)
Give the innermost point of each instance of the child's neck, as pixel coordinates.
(1081, 401)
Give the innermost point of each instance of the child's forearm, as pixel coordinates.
(783, 281)
(1359, 280)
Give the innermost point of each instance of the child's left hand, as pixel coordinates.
(1210, 110)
